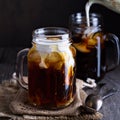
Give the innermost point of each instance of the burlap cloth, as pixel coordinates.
(14, 104)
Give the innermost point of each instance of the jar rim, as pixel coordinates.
(79, 15)
(41, 35)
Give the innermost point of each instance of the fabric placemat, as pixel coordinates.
(14, 104)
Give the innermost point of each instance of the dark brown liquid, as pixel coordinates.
(49, 87)
(87, 62)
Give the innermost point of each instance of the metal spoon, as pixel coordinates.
(95, 101)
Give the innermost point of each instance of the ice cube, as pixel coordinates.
(81, 47)
(53, 58)
(92, 42)
(34, 56)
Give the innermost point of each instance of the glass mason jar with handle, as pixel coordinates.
(97, 52)
(51, 68)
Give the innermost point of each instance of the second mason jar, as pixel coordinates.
(97, 51)
(51, 68)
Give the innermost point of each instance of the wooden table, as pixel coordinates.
(111, 106)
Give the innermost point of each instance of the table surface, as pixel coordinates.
(111, 105)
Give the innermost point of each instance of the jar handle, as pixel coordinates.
(23, 81)
(116, 51)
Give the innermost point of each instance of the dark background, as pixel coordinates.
(18, 18)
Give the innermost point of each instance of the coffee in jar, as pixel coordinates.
(97, 50)
(51, 68)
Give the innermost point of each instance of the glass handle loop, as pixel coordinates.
(115, 59)
(19, 68)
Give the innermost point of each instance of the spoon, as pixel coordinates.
(95, 101)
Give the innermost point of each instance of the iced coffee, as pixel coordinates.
(51, 71)
(90, 59)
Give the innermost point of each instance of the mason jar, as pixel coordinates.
(51, 68)
(97, 51)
